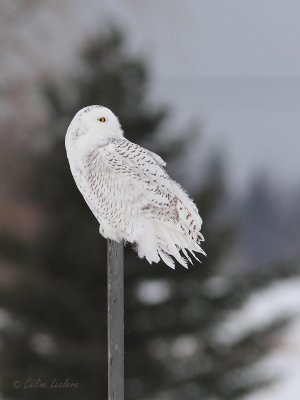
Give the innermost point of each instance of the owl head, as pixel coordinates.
(93, 124)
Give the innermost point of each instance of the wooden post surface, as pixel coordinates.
(115, 319)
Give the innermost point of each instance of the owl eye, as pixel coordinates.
(101, 119)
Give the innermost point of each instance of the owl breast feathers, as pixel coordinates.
(129, 192)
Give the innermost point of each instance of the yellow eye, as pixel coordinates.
(101, 119)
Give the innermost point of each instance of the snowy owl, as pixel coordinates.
(128, 190)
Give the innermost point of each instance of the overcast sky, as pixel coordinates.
(234, 65)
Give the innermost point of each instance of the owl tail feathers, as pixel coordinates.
(162, 242)
(171, 242)
(146, 245)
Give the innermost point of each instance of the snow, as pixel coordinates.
(281, 299)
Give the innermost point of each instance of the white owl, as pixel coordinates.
(128, 190)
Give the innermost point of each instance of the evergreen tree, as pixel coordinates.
(58, 304)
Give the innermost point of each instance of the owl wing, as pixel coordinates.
(156, 157)
(158, 188)
(143, 184)
(138, 186)
(142, 172)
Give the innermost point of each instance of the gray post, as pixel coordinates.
(115, 320)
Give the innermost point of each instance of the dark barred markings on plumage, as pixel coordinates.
(129, 191)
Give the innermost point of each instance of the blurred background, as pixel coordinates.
(213, 87)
